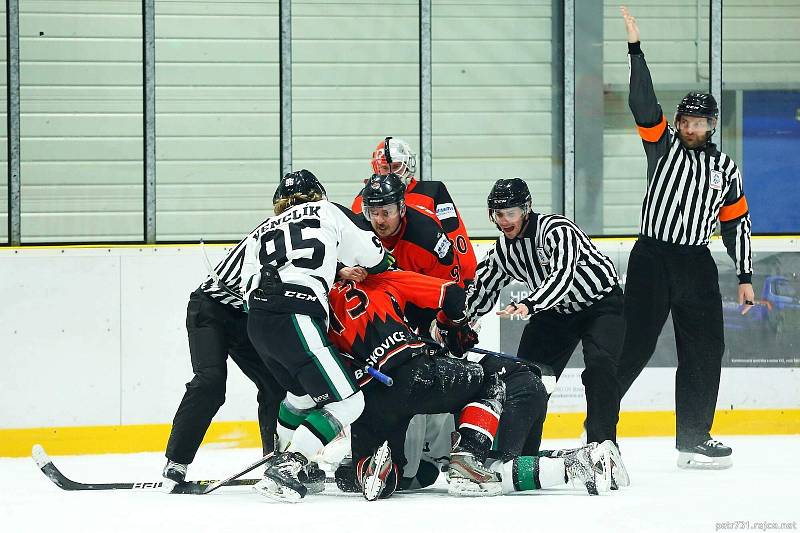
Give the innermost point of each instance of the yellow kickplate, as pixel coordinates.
(153, 437)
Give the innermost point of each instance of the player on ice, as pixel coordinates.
(289, 266)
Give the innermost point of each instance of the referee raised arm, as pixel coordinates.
(575, 296)
(691, 185)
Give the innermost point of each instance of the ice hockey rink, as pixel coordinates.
(759, 493)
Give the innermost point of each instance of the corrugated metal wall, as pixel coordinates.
(355, 75)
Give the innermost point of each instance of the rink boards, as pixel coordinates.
(94, 346)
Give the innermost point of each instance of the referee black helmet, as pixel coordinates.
(698, 105)
(511, 192)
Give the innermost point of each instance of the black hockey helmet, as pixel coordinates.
(384, 190)
(298, 182)
(507, 193)
(512, 192)
(699, 105)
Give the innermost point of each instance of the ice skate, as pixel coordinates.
(175, 471)
(313, 477)
(468, 477)
(589, 467)
(619, 474)
(281, 481)
(374, 472)
(708, 455)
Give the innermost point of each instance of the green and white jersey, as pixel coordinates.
(304, 244)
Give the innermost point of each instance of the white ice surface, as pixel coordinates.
(761, 486)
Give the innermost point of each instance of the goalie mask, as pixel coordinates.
(394, 156)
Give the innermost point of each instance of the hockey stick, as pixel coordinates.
(214, 486)
(215, 277)
(45, 464)
(372, 371)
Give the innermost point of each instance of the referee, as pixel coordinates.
(575, 296)
(217, 327)
(691, 185)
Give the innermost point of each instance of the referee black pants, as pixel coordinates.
(551, 338)
(683, 279)
(216, 331)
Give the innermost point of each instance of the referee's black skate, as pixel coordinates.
(175, 471)
(281, 482)
(708, 455)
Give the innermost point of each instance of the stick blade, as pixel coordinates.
(40, 456)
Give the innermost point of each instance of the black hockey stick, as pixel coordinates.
(45, 464)
(214, 486)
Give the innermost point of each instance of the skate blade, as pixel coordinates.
(374, 484)
(472, 489)
(269, 489)
(696, 461)
(316, 487)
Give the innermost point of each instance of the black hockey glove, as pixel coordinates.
(457, 336)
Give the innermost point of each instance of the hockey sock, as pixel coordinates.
(289, 419)
(317, 430)
(531, 473)
(477, 425)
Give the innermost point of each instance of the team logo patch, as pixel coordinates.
(543, 259)
(715, 181)
(375, 185)
(289, 182)
(444, 211)
(442, 246)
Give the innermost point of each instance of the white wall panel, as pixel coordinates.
(81, 101)
(60, 338)
(97, 337)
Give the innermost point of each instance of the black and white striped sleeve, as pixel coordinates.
(736, 228)
(490, 278)
(563, 241)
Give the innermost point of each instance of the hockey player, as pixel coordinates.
(691, 186)
(412, 234)
(575, 297)
(289, 265)
(370, 325)
(395, 156)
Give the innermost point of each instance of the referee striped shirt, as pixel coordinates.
(556, 260)
(229, 271)
(688, 190)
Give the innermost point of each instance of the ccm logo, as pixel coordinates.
(300, 296)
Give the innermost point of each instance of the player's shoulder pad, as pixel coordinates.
(430, 188)
(358, 220)
(425, 231)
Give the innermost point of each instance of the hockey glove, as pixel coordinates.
(459, 337)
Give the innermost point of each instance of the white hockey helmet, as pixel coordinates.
(394, 156)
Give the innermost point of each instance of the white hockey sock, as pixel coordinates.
(531, 473)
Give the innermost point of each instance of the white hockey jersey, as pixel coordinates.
(304, 244)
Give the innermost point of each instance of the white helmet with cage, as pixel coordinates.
(394, 156)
